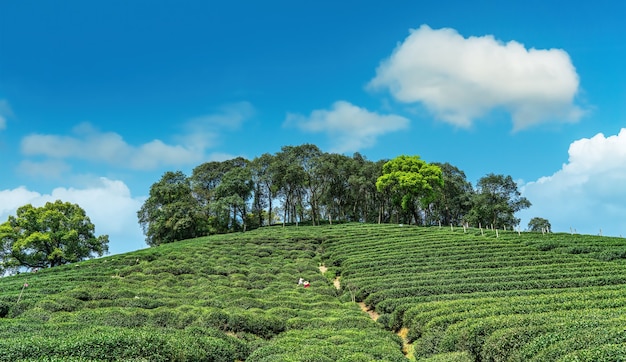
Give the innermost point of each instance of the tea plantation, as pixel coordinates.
(452, 295)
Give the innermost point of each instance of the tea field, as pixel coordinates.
(478, 296)
(447, 295)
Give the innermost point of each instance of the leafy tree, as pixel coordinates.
(496, 201)
(412, 182)
(171, 212)
(54, 234)
(235, 190)
(264, 187)
(539, 224)
(290, 179)
(456, 196)
(334, 171)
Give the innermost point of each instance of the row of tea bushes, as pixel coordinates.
(484, 296)
(223, 298)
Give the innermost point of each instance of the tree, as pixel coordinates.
(496, 201)
(456, 196)
(171, 212)
(54, 234)
(290, 178)
(412, 183)
(235, 190)
(539, 224)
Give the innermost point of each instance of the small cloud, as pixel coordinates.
(204, 131)
(587, 193)
(49, 169)
(88, 143)
(108, 203)
(229, 116)
(350, 128)
(462, 79)
(5, 112)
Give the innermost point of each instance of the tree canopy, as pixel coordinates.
(539, 224)
(496, 201)
(171, 212)
(302, 184)
(54, 234)
(412, 182)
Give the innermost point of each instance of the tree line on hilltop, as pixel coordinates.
(299, 184)
(303, 184)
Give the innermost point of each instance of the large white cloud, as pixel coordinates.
(108, 203)
(88, 143)
(350, 128)
(462, 79)
(588, 193)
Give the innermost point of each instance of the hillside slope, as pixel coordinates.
(455, 295)
(222, 298)
(487, 296)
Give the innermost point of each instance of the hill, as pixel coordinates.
(450, 295)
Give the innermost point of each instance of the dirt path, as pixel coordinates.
(407, 348)
(371, 313)
(336, 283)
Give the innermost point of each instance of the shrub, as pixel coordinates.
(4, 308)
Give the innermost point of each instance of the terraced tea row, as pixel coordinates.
(466, 296)
(227, 298)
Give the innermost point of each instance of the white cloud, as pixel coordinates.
(204, 131)
(49, 169)
(5, 111)
(462, 79)
(88, 143)
(350, 128)
(108, 203)
(230, 116)
(587, 193)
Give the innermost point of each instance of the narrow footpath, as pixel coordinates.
(407, 348)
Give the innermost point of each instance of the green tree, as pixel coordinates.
(496, 201)
(235, 190)
(456, 196)
(412, 183)
(171, 212)
(539, 224)
(290, 178)
(265, 188)
(54, 234)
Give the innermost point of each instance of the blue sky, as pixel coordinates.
(99, 98)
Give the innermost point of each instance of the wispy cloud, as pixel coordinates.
(90, 144)
(462, 79)
(48, 169)
(5, 111)
(587, 191)
(349, 127)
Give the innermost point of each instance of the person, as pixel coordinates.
(300, 281)
(306, 284)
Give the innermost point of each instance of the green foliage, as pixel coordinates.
(411, 181)
(495, 202)
(539, 224)
(171, 213)
(466, 296)
(455, 199)
(4, 308)
(211, 299)
(460, 295)
(54, 234)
